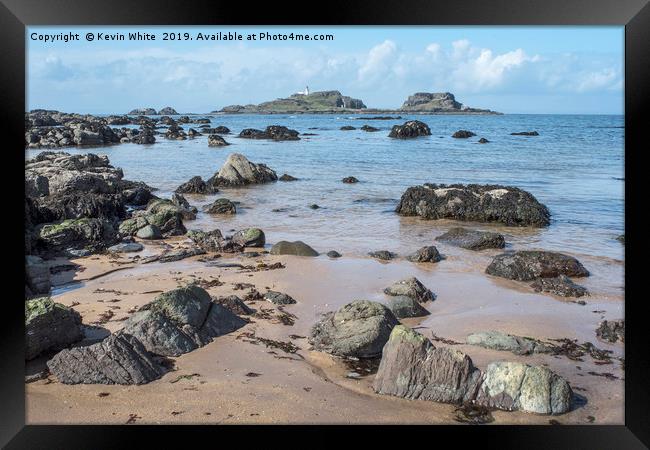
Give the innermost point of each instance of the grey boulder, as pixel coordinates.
(497, 340)
(297, 248)
(561, 286)
(528, 265)
(426, 254)
(472, 239)
(410, 287)
(49, 326)
(403, 306)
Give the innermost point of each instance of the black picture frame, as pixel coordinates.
(15, 15)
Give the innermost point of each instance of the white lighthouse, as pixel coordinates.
(305, 92)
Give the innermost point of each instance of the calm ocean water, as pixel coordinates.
(575, 167)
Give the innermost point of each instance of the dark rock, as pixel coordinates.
(196, 185)
(252, 133)
(560, 285)
(280, 133)
(175, 132)
(477, 203)
(611, 330)
(350, 180)
(239, 171)
(525, 133)
(527, 265)
(472, 239)
(221, 130)
(286, 177)
(235, 305)
(314, 206)
(403, 306)
(118, 359)
(333, 254)
(384, 255)
(49, 326)
(149, 232)
(463, 134)
(410, 287)
(369, 128)
(211, 241)
(214, 140)
(142, 112)
(279, 298)
(411, 367)
(193, 133)
(220, 206)
(347, 128)
(37, 276)
(359, 329)
(621, 239)
(187, 211)
(167, 110)
(64, 206)
(298, 248)
(74, 234)
(426, 254)
(249, 237)
(483, 141)
(410, 129)
(180, 320)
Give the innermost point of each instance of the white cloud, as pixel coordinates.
(378, 61)
(597, 80)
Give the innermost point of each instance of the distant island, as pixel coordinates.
(323, 102)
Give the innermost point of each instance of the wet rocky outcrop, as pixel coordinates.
(37, 276)
(525, 133)
(279, 298)
(214, 241)
(273, 132)
(220, 206)
(426, 254)
(249, 237)
(70, 235)
(611, 330)
(412, 367)
(166, 111)
(403, 306)
(562, 286)
(179, 321)
(472, 239)
(187, 211)
(196, 185)
(287, 177)
(118, 359)
(214, 140)
(160, 213)
(239, 171)
(359, 329)
(49, 326)
(474, 202)
(528, 265)
(463, 134)
(297, 248)
(410, 129)
(410, 287)
(497, 340)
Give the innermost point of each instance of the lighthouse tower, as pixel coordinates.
(306, 90)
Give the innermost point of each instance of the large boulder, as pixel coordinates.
(402, 306)
(161, 213)
(220, 206)
(118, 359)
(527, 265)
(515, 386)
(410, 287)
(275, 132)
(411, 367)
(297, 248)
(410, 129)
(196, 185)
(167, 111)
(472, 239)
(474, 202)
(49, 326)
(239, 171)
(181, 320)
(57, 207)
(249, 237)
(359, 329)
(74, 234)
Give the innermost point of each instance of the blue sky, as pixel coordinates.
(571, 70)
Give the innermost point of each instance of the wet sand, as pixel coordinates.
(311, 387)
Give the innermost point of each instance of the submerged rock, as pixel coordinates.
(472, 239)
(118, 359)
(298, 248)
(350, 180)
(214, 140)
(180, 320)
(561, 286)
(369, 129)
(239, 171)
(483, 141)
(49, 326)
(525, 133)
(497, 340)
(463, 134)
(347, 128)
(515, 386)
(287, 177)
(527, 265)
(403, 306)
(410, 129)
(426, 254)
(384, 255)
(220, 206)
(279, 298)
(473, 202)
(411, 367)
(333, 254)
(359, 329)
(611, 330)
(410, 287)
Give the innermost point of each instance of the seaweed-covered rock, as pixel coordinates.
(410, 129)
(297, 248)
(49, 326)
(74, 234)
(350, 180)
(180, 320)
(426, 254)
(411, 367)
(235, 305)
(282, 133)
(561, 286)
(384, 255)
(279, 298)
(161, 213)
(472, 239)
(474, 202)
(149, 232)
(462, 134)
(515, 386)
(209, 241)
(497, 340)
(239, 171)
(403, 306)
(118, 359)
(527, 265)
(220, 206)
(196, 185)
(611, 330)
(249, 237)
(187, 211)
(58, 207)
(410, 287)
(214, 140)
(359, 329)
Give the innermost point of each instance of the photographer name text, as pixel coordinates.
(172, 36)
